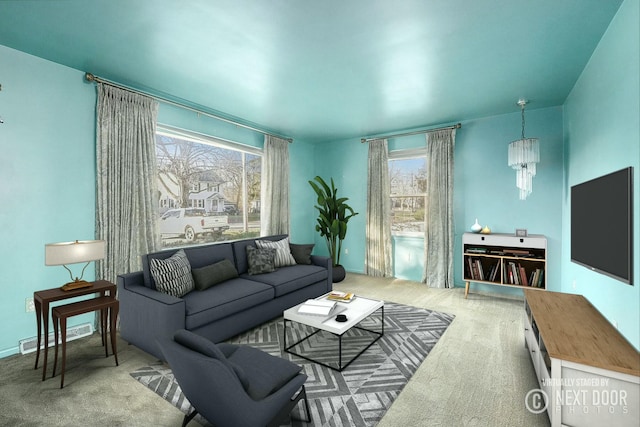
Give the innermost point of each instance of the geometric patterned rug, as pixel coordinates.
(361, 393)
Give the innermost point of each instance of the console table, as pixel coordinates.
(589, 374)
(42, 301)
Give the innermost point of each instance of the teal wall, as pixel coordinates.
(47, 175)
(602, 135)
(47, 178)
(47, 181)
(484, 188)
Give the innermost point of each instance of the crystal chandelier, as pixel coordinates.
(524, 153)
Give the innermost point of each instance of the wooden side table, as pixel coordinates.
(42, 301)
(108, 307)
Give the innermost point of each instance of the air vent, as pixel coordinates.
(73, 333)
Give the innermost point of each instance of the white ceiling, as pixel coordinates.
(324, 70)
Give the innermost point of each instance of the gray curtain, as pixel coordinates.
(438, 239)
(274, 213)
(378, 246)
(127, 208)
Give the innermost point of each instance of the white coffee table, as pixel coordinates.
(356, 311)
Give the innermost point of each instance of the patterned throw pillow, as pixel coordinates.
(283, 253)
(173, 275)
(260, 260)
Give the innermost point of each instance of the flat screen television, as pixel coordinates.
(602, 224)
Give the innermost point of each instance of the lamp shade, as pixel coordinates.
(74, 252)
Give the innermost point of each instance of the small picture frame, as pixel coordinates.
(521, 232)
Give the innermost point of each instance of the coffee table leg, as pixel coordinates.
(340, 353)
(284, 338)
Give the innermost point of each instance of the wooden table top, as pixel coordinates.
(55, 294)
(573, 329)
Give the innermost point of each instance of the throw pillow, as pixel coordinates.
(260, 260)
(301, 253)
(173, 275)
(283, 253)
(210, 275)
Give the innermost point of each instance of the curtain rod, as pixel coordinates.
(418, 132)
(92, 78)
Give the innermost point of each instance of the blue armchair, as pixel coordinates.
(234, 385)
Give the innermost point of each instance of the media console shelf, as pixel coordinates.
(589, 374)
(504, 260)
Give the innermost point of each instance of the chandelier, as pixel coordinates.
(524, 153)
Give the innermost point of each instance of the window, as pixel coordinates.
(408, 182)
(199, 179)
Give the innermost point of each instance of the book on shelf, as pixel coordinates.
(317, 308)
(523, 276)
(340, 296)
(477, 250)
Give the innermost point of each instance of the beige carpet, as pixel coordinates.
(477, 374)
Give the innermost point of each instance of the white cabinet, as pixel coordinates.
(588, 373)
(504, 260)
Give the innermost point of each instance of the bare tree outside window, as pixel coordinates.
(207, 192)
(408, 195)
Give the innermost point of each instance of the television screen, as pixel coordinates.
(602, 225)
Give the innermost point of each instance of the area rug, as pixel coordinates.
(357, 396)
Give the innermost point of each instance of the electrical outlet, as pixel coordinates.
(346, 251)
(573, 284)
(28, 305)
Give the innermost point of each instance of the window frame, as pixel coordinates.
(406, 154)
(205, 139)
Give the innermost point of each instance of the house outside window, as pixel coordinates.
(209, 189)
(407, 176)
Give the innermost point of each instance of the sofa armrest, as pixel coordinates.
(326, 262)
(147, 314)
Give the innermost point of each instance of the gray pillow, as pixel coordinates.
(210, 275)
(261, 260)
(301, 253)
(283, 253)
(172, 275)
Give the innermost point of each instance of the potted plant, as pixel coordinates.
(332, 220)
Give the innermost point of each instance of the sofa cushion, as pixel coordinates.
(265, 373)
(301, 253)
(205, 277)
(224, 299)
(283, 253)
(292, 278)
(173, 275)
(261, 260)
(198, 256)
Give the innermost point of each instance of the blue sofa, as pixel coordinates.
(223, 310)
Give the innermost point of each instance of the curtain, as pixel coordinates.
(438, 238)
(275, 187)
(378, 245)
(127, 208)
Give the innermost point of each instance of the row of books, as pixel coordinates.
(514, 273)
(477, 271)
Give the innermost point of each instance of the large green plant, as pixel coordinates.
(333, 216)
